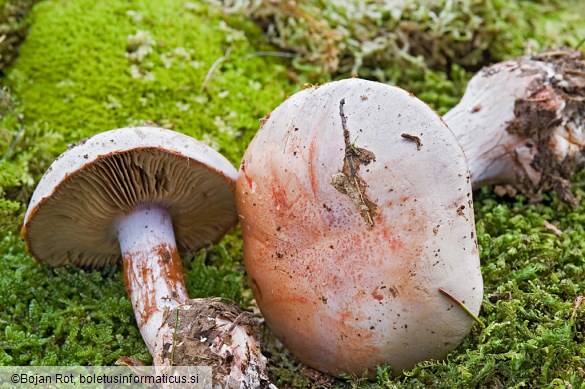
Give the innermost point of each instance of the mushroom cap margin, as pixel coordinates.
(57, 228)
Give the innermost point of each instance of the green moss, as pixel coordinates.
(373, 38)
(430, 48)
(79, 73)
(76, 58)
(62, 316)
(75, 77)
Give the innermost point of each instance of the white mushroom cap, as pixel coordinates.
(348, 268)
(74, 211)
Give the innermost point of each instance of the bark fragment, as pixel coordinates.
(347, 181)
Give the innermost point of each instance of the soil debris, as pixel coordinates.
(201, 339)
(413, 138)
(554, 101)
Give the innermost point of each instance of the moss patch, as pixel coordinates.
(79, 57)
(88, 67)
(421, 45)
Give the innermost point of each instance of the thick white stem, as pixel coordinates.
(480, 124)
(153, 272)
(521, 122)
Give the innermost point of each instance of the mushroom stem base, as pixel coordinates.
(208, 331)
(521, 123)
(153, 272)
(176, 330)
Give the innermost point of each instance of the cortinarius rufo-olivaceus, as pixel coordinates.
(359, 238)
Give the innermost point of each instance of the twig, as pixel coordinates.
(235, 322)
(349, 155)
(578, 302)
(413, 138)
(16, 137)
(552, 228)
(462, 306)
(175, 337)
(283, 54)
(348, 148)
(214, 66)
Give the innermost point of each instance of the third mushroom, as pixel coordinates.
(359, 238)
(522, 122)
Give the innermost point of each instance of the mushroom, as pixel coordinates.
(358, 228)
(522, 123)
(146, 194)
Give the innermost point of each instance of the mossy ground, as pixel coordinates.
(74, 78)
(79, 73)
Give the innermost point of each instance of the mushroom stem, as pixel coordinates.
(521, 122)
(177, 330)
(153, 273)
(480, 123)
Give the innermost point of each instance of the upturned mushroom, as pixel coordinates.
(522, 123)
(358, 227)
(146, 194)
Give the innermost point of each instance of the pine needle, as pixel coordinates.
(462, 306)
